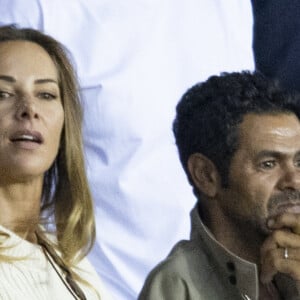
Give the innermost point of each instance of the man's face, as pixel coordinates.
(264, 174)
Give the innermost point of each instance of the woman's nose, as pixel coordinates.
(26, 109)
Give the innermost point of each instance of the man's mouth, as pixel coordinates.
(285, 202)
(292, 207)
(287, 207)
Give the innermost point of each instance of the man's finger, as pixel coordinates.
(286, 220)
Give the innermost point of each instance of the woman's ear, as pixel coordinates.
(204, 174)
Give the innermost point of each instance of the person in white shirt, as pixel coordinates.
(134, 59)
(47, 222)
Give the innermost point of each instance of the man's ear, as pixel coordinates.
(204, 174)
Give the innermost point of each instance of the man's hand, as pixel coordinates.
(285, 235)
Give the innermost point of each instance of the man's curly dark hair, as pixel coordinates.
(208, 114)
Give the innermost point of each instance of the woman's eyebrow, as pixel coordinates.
(7, 78)
(38, 81)
(45, 80)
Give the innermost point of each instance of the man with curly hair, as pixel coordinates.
(238, 136)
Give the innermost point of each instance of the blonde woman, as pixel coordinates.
(46, 212)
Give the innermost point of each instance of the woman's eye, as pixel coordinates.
(297, 163)
(5, 95)
(269, 164)
(47, 96)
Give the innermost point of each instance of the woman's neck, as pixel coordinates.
(20, 208)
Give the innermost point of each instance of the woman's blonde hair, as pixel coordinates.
(66, 195)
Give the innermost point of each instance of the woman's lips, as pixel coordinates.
(27, 139)
(30, 135)
(29, 145)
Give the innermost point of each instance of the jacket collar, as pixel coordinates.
(241, 273)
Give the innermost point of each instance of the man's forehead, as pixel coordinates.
(277, 122)
(270, 130)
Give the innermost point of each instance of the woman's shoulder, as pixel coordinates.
(85, 269)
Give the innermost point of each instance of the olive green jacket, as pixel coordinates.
(202, 269)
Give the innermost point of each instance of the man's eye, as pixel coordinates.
(47, 96)
(5, 95)
(269, 164)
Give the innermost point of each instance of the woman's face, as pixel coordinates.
(31, 111)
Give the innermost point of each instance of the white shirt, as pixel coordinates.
(32, 277)
(135, 59)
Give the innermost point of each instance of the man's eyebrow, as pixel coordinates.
(273, 153)
(7, 78)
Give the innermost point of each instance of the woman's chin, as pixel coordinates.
(21, 175)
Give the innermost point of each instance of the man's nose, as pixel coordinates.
(290, 178)
(26, 109)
